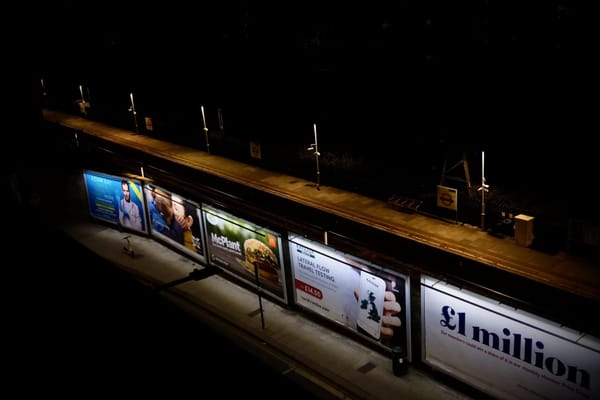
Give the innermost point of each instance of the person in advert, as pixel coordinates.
(184, 214)
(162, 216)
(129, 212)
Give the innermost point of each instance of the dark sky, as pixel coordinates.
(518, 80)
(458, 60)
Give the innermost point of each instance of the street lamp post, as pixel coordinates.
(83, 103)
(221, 122)
(205, 129)
(315, 147)
(44, 93)
(483, 189)
(134, 114)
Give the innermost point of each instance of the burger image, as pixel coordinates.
(259, 255)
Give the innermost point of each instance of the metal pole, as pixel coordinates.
(315, 147)
(260, 306)
(44, 93)
(205, 130)
(484, 188)
(134, 114)
(83, 104)
(221, 122)
(483, 210)
(483, 191)
(317, 159)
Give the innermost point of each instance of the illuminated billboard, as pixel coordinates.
(362, 297)
(503, 351)
(239, 247)
(116, 200)
(175, 220)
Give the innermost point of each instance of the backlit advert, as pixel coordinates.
(354, 293)
(117, 200)
(240, 247)
(176, 220)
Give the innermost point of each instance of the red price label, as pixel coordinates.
(305, 287)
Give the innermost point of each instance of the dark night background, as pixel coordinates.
(395, 87)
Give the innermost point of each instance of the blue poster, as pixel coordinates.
(116, 200)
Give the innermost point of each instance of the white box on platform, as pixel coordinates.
(524, 230)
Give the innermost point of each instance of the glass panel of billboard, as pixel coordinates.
(238, 247)
(117, 200)
(362, 297)
(504, 351)
(176, 220)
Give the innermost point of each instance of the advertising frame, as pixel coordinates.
(365, 299)
(503, 351)
(110, 200)
(176, 220)
(238, 246)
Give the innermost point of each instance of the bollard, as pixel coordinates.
(399, 364)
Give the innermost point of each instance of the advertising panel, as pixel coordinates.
(176, 220)
(506, 352)
(239, 247)
(361, 296)
(116, 200)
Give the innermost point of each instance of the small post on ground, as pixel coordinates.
(260, 305)
(399, 364)
(128, 248)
